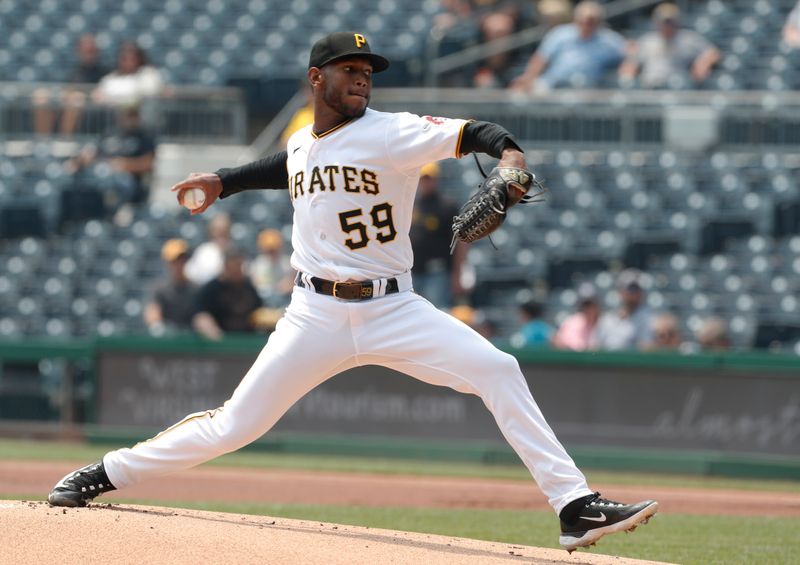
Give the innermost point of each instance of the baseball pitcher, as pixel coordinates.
(351, 177)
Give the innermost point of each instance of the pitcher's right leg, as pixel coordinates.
(310, 344)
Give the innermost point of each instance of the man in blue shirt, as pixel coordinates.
(573, 55)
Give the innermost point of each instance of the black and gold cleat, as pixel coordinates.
(81, 487)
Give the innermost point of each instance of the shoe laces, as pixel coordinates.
(597, 500)
(87, 477)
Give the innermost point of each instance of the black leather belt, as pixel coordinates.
(356, 290)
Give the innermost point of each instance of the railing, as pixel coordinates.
(688, 119)
(188, 114)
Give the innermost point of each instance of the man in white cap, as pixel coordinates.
(669, 55)
(630, 326)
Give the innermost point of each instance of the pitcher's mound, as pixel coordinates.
(33, 532)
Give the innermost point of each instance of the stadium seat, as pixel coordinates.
(20, 220)
(668, 211)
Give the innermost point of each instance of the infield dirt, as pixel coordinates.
(34, 533)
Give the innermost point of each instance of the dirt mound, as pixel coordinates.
(33, 532)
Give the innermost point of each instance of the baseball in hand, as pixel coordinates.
(193, 198)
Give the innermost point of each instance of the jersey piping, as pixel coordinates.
(330, 131)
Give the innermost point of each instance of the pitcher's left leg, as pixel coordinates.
(436, 348)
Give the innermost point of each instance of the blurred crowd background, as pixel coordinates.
(667, 133)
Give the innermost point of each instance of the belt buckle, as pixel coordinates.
(364, 291)
(336, 286)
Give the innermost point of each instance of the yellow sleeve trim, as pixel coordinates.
(460, 135)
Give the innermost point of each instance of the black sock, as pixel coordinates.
(570, 512)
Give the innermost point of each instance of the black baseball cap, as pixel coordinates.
(344, 44)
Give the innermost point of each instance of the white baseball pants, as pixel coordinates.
(320, 336)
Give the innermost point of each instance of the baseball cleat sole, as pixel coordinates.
(69, 499)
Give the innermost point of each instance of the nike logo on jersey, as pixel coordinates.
(600, 518)
(296, 149)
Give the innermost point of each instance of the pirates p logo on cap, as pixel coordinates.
(344, 44)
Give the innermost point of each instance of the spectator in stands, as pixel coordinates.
(578, 331)
(669, 55)
(229, 302)
(172, 301)
(666, 332)
(452, 13)
(462, 23)
(573, 55)
(123, 161)
(270, 271)
(552, 13)
(496, 19)
(535, 331)
(712, 335)
(70, 100)
(437, 272)
(207, 260)
(631, 325)
(791, 31)
(133, 81)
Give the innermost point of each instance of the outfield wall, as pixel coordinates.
(728, 414)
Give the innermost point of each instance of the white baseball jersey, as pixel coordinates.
(353, 191)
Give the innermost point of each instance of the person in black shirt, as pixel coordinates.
(437, 273)
(227, 303)
(124, 160)
(71, 100)
(173, 298)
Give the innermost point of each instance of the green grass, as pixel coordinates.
(81, 452)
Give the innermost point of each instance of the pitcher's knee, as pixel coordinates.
(506, 372)
(494, 368)
(505, 363)
(494, 364)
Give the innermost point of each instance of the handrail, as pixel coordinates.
(182, 113)
(765, 99)
(14, 88)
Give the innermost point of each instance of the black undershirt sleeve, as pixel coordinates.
(267, 173)
(486, 137)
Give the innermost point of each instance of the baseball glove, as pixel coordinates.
(485, 211)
